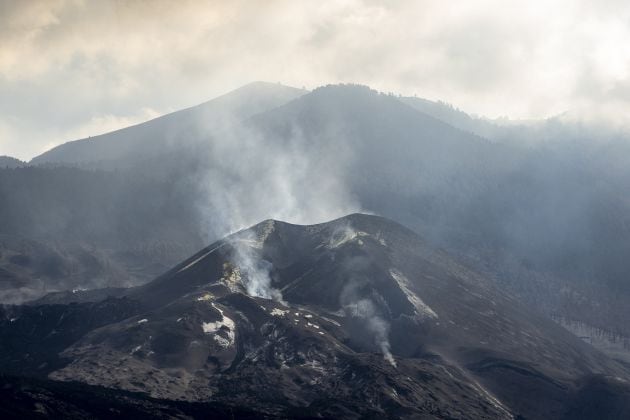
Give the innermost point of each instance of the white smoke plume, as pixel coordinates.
(254, 270)
(365, 310)
(250, 177)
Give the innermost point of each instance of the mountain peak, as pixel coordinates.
(10, 162)
(174, 130)
(261, 84)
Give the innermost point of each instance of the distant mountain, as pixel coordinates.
(352, 318)
(85, 228)
(160, 203)
(69, 228)
(547, 221)
(455, 117)
(172, 131)
(555, 130)
(10, 162)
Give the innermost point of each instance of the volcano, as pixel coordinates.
(357, 317)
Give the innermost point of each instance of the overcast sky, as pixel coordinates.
(72, 68)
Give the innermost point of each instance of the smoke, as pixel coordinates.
(341, 235)
(255, 271)
(357, 303)
(375, 325)
(248, 176)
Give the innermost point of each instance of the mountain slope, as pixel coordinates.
(67, 228)
(367, 319)
(30, 268)
(549, 223)
(35, 399)
(172, 131)
(453, 116)
(10, 162)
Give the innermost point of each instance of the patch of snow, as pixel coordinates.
(308, 316)
(142, 321)
(223, 342)
(313, 325)
(206, 297)
(319, 332)
(13, 319)
(421, 308)
(226, 325)
(135, 349)
(279, 312)
(179, 319)
(317, 366)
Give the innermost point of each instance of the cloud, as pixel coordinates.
(65, 62)
(100, 124)
(24, 138)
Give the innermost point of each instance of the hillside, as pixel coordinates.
(547, 222)
(355, 317)
(172, 131)
(8, 162)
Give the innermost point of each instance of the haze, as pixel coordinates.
(72, 69)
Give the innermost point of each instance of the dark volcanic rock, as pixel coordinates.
(358, 317)
(35, 398)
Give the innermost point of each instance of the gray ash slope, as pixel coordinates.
(367, 320)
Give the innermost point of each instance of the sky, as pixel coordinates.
(72, 68)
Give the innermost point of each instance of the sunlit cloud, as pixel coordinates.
(67, 63)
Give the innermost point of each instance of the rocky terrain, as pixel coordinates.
(358, 317)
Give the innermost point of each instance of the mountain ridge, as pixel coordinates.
(246, 100)
(365, 310)
(547, 223)
(9, 162)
